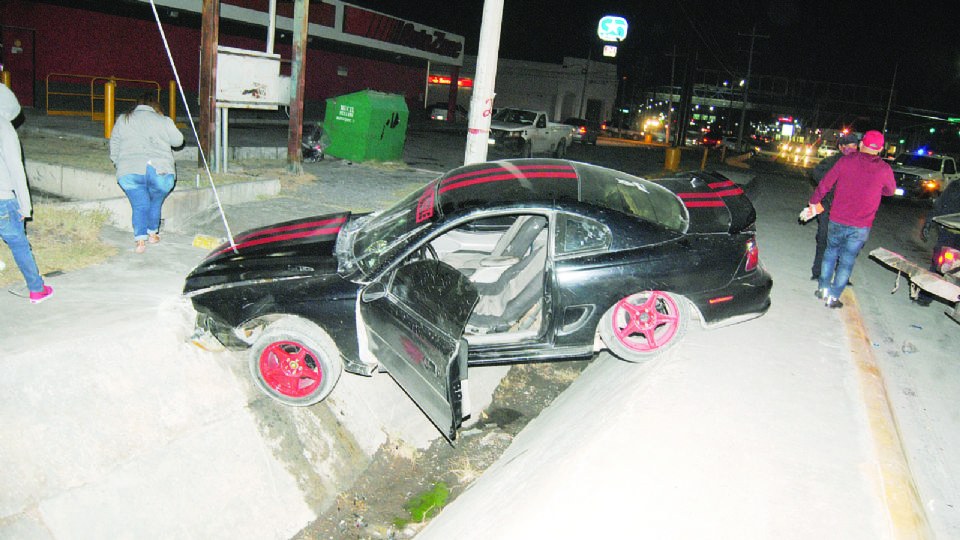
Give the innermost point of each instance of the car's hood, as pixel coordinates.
(289, 250)
(507, 126)
(918, 171)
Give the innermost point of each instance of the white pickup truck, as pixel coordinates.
(524, 132)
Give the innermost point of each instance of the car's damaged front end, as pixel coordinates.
(287, 269)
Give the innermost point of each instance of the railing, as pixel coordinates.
(71, 102)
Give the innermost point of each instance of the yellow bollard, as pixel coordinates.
(5, 79)
(673, 158)
(109, 105)
(173, 101)
(703, 164)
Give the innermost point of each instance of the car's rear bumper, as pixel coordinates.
(744, 298)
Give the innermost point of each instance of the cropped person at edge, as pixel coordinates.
(15, 198)
(141, 147)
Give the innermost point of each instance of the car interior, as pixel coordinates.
(504, 257)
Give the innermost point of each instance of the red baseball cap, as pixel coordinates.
(873, 140)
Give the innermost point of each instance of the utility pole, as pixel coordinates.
(893, 84)
(673, 66)
(301, 14)
(209, 37)
(583, 89)
(481, 104)
(746, 86)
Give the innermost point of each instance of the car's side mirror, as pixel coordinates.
(374, 291)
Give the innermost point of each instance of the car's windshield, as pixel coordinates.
(383, 233)
(923, 162)
(515, 116)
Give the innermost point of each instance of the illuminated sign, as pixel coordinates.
(610, 50)
(612, 28)
(462, 83)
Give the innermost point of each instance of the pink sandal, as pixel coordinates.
(141, 246)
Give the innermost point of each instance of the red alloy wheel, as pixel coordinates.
(290, 368)
(645, 322)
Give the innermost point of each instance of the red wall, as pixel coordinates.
(74, 41)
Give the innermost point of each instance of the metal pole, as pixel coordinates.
(481, 104)
(426, 87)
(109, 106)
(271, 25)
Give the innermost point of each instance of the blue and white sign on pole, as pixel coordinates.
(612, 28)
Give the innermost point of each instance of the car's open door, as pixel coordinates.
(414, 318)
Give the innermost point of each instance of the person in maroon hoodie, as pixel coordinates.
(858, 182)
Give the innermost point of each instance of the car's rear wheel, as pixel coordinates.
(643, 325)
(295, 362)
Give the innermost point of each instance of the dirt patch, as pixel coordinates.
(402, 483)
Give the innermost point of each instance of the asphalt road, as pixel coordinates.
(918, 350)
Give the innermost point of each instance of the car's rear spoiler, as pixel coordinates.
(715, 202)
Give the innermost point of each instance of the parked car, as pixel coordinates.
(710, 139)
(584, 132)
(526, 132)
(491, 263)
(441, 111)
(922, 175)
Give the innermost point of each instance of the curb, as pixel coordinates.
(899, 491)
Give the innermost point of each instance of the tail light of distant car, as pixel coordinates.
(948, 260)
(582, 130)
(753, 255)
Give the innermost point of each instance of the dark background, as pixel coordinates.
(861, 43)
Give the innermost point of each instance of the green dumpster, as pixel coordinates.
(366, 125)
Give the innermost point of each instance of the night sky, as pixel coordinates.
(854, 42)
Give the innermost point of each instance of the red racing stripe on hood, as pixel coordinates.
(289, 232)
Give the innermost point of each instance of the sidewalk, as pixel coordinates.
(115, 428)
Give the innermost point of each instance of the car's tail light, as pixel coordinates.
(582, 130)
(948, 260)
(753, 255)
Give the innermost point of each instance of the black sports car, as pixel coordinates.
(496, 262)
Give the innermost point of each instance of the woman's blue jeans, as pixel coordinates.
(843, 245)
(146, 193)
(13, 233)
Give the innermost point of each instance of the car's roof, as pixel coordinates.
(512, 182)
(700, 202)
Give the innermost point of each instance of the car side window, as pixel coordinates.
(576, 234)
(541, 122)
(949, 167)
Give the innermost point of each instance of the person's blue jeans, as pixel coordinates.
(13, 233)
(146, 193)
(843, 245)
